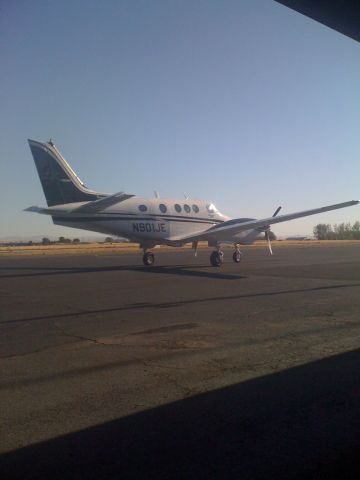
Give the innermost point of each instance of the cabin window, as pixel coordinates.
(162, 208)
(142, 208)
(195, 208)
(187, 208)
(177, 207)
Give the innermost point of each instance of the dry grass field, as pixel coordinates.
(105, 248)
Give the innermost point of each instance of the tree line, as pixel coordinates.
(342, 231)
(47, 241)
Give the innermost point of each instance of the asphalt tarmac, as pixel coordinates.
(110, 369)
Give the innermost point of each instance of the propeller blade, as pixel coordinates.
(277, 211)
(267, 237)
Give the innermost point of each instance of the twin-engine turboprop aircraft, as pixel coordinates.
(149, 222)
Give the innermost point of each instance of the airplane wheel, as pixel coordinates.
(237, 256)
(216, 259)
(148, 258)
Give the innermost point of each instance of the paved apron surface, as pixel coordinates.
(112, 369)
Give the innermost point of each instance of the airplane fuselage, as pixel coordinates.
(149, 220)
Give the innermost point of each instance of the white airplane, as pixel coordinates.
(144, 221)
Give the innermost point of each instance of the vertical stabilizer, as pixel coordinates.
(59, 181)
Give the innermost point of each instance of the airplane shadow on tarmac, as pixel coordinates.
(182, 270)
(303, 422)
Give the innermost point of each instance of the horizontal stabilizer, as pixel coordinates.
(100, 205)
(45, 211)
(33, 209)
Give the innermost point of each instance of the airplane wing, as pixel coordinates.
(226, 230)
(100, 205)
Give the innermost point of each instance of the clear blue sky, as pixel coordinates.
(244, 103)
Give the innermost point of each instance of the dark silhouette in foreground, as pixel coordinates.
(300, 423)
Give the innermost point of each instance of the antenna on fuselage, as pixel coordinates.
(186, 196)
(157, 194)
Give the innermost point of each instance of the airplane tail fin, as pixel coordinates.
(60, 183)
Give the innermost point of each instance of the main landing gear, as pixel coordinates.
(217, 256)
(148, 258)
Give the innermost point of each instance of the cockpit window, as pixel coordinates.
(211, 208)
(142, 208)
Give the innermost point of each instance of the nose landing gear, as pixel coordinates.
(237, 254)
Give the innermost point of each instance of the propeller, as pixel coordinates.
(267, 236)
(277, 211)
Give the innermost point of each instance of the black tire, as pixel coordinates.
(216, 259)
(237, 256)
(148, 258)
